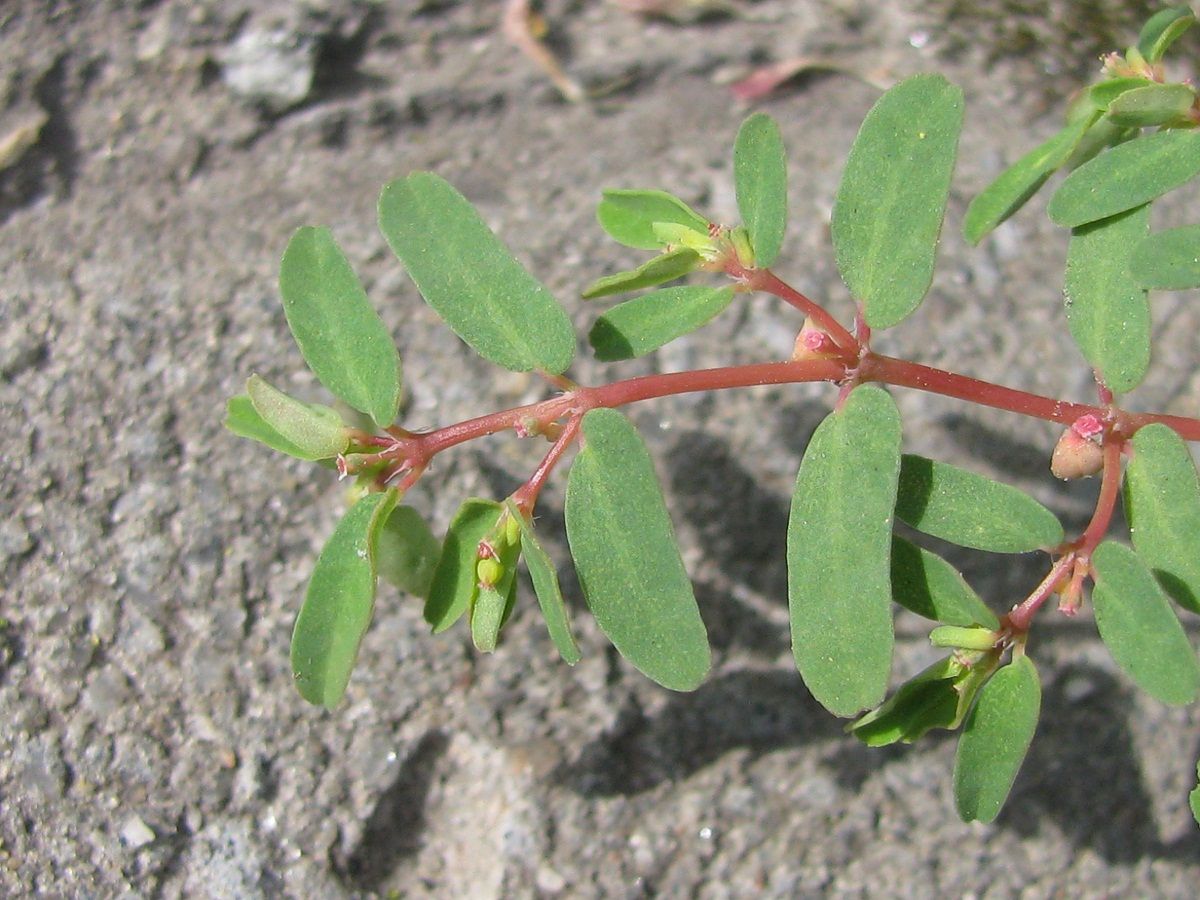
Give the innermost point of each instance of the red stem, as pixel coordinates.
(1079, 551)
(527, 494)
(903, 373)
(1106, 503)
(766, 280)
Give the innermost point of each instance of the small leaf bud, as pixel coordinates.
(975, 637)
(512, 531)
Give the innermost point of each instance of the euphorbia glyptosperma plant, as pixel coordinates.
(1128, 140)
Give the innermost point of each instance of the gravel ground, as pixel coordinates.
(154, 159)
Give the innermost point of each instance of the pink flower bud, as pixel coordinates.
(1076, 456)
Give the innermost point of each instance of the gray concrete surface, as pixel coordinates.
(158, 156)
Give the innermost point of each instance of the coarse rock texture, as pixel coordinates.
(156, 156)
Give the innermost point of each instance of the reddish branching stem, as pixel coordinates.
(1070, 570)
(852, 362)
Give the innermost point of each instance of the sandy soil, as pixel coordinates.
(156, 157)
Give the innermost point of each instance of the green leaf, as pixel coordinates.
(453, 584)
(1162, 29)
(924, 702)
(339, 602)
(1139, 627)
(629, 216)
(1102, 134)
(492, 603)
(926, 584)
(1162, 506)
(470, 279)
(545, 586)
(340, 335)
(839, 553)
(1128, 175)
(659, 270)
(624, 549)
(888, 211)
(487, 615)
(1104, 93)
(1152, 105)
(408, 552)
(642, 325)
(972, 511)
(938, 697)
(1107, 310)
(1168, 260)
(1022, 180)
(315, 431)
(995, 739)
(760, 181)
(243, 420)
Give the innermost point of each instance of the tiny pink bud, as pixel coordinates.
(812, 343)
(485, 551)
(343, 467)
(1088, 426)
(1075, 456)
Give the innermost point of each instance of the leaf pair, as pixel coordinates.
(844, 565)
(375, 537)
(653, 219)
(648, 220)
(456, 586)
(624, 551)
(1106, 114)
(269, 416)
(343, 341)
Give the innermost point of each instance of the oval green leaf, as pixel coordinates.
(546, 588)
(972, 511)
(1128, 175)
(839, 553)
(624, 549)
(629, 216)
(760, 181)
(1151, 105)
(492, 604)
(408, 552)
(1168, 260)
(1162, 506)
(1108, 312)
(642, 325)
(470, 279)
(487, 615)
(889, 208)
(1022, 180)
(995, 739)
(244, 420)
(453, 584)
(1104, 93)
(1139, 627)
(938, 697)
(316, 431)
(339, 602)
(340, 335)
(659, 270)
(926, 584)
(926, 701)
(1162, 29)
